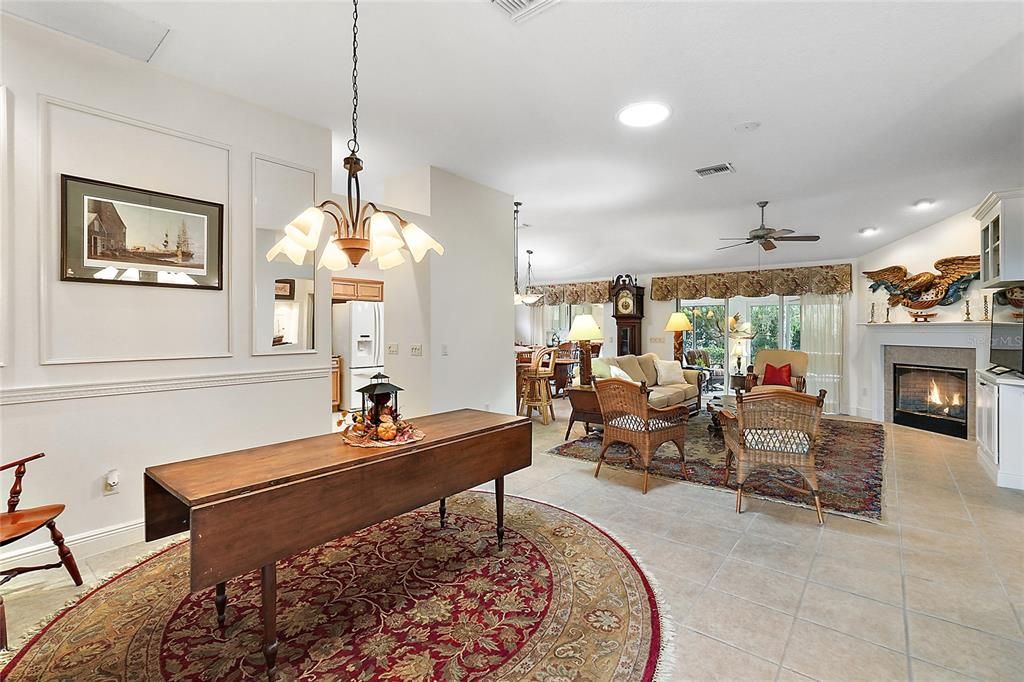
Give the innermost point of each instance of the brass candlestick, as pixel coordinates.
(984, 308)
(871, 320)
(887, 320)
(967, 311)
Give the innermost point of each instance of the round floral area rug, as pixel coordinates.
(402, 600)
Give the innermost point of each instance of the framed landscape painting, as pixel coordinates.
(115, 234)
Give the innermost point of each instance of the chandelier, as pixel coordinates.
(363, 230)
(517, 298)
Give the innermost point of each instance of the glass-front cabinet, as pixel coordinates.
(1001, 218)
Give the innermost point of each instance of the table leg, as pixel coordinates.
(3, 626)
(221, 600)
(269, 589)
(442, 511)
(572, 420)
(499, 501)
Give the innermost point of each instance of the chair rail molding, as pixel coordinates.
(39, 394)
(48, 217)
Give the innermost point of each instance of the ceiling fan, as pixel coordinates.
(767, 236)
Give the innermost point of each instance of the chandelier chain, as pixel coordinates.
(353, 144)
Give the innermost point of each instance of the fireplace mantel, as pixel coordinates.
(878, 335)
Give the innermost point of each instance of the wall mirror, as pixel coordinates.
(284, 297)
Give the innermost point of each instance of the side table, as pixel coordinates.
(585, 408)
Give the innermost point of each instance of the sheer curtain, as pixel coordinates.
(821, 337)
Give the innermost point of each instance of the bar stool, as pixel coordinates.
(537, 386)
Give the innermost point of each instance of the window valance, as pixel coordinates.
(820, 279)
(573, 293)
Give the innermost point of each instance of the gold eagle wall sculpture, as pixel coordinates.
(926, 289)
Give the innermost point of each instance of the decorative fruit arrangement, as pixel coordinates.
(392, 429)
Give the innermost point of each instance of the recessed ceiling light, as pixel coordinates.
(747, 127)
(923, 204)
(643, 114)
(868, 231)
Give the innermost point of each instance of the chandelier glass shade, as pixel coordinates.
(360, 229)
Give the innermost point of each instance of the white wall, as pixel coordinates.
(83, 110)
(472, 323)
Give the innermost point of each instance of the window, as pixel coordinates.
(709, 324)
(791, 308)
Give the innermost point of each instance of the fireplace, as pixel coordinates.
(931, 398)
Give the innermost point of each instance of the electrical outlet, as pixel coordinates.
(416, 350)
(657, 339)
(444, 349)
(392, 349)
(111, 482)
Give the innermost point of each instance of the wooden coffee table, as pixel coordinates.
(716, 405)
(584, 408)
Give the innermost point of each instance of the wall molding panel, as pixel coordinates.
(39, 394)
(84, 545)
(49, 235)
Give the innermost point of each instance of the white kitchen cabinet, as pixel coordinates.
(1000, 428)
(1001, 217)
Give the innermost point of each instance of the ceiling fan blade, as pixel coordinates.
(800, 238)
(732, 245)
(734, 239)
(780, 232)
(767, 244)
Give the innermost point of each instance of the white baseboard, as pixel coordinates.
(83, 545)
(1005, 480)
(988, 465)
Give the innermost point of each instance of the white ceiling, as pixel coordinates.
(864, 108)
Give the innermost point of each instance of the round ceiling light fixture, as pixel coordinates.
(868, 231)
(923, 204)
(747, 126)
(643, 114)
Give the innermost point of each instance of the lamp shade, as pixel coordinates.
(390, 260)
(295, 252)
(678, 322)
(384, 238)
(584, 328)
(333, 257)
(419, 242)
(304, 229)
(530, 299)
(737, 348)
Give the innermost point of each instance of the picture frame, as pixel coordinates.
(284, 289)
(116, 234)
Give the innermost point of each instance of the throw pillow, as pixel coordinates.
(777, 376)
(631, 366)
(618, 373)
(599, 368)
(670, 372)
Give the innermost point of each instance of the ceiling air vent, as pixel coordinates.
(521, 10)
(715, 170)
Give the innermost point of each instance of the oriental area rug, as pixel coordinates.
(850, 462)
(403, 600)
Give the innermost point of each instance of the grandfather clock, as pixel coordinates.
(628, 299)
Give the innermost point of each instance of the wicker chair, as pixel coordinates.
(629, 419)
(773, 429)
(537, 384)
(524, 359)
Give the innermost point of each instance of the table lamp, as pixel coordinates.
(678, 323)
(584, 330)
(737, 350)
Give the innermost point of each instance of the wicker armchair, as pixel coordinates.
(630, 419)
(773, 429)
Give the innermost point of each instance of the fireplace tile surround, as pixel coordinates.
(960, 345)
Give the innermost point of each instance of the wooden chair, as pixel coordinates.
(523, 361)
(773, 430)
(537, 384)
(15, 525)
(565, 367)
(630, 419)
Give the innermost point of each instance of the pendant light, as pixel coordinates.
(529, 298)
(517, 298)
(363, 230)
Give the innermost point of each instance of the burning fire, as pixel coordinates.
(937, 399)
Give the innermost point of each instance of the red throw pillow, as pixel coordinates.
(777, 376)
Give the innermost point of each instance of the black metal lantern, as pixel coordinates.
(376, 396)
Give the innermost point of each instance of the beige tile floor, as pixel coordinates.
(935, 593)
